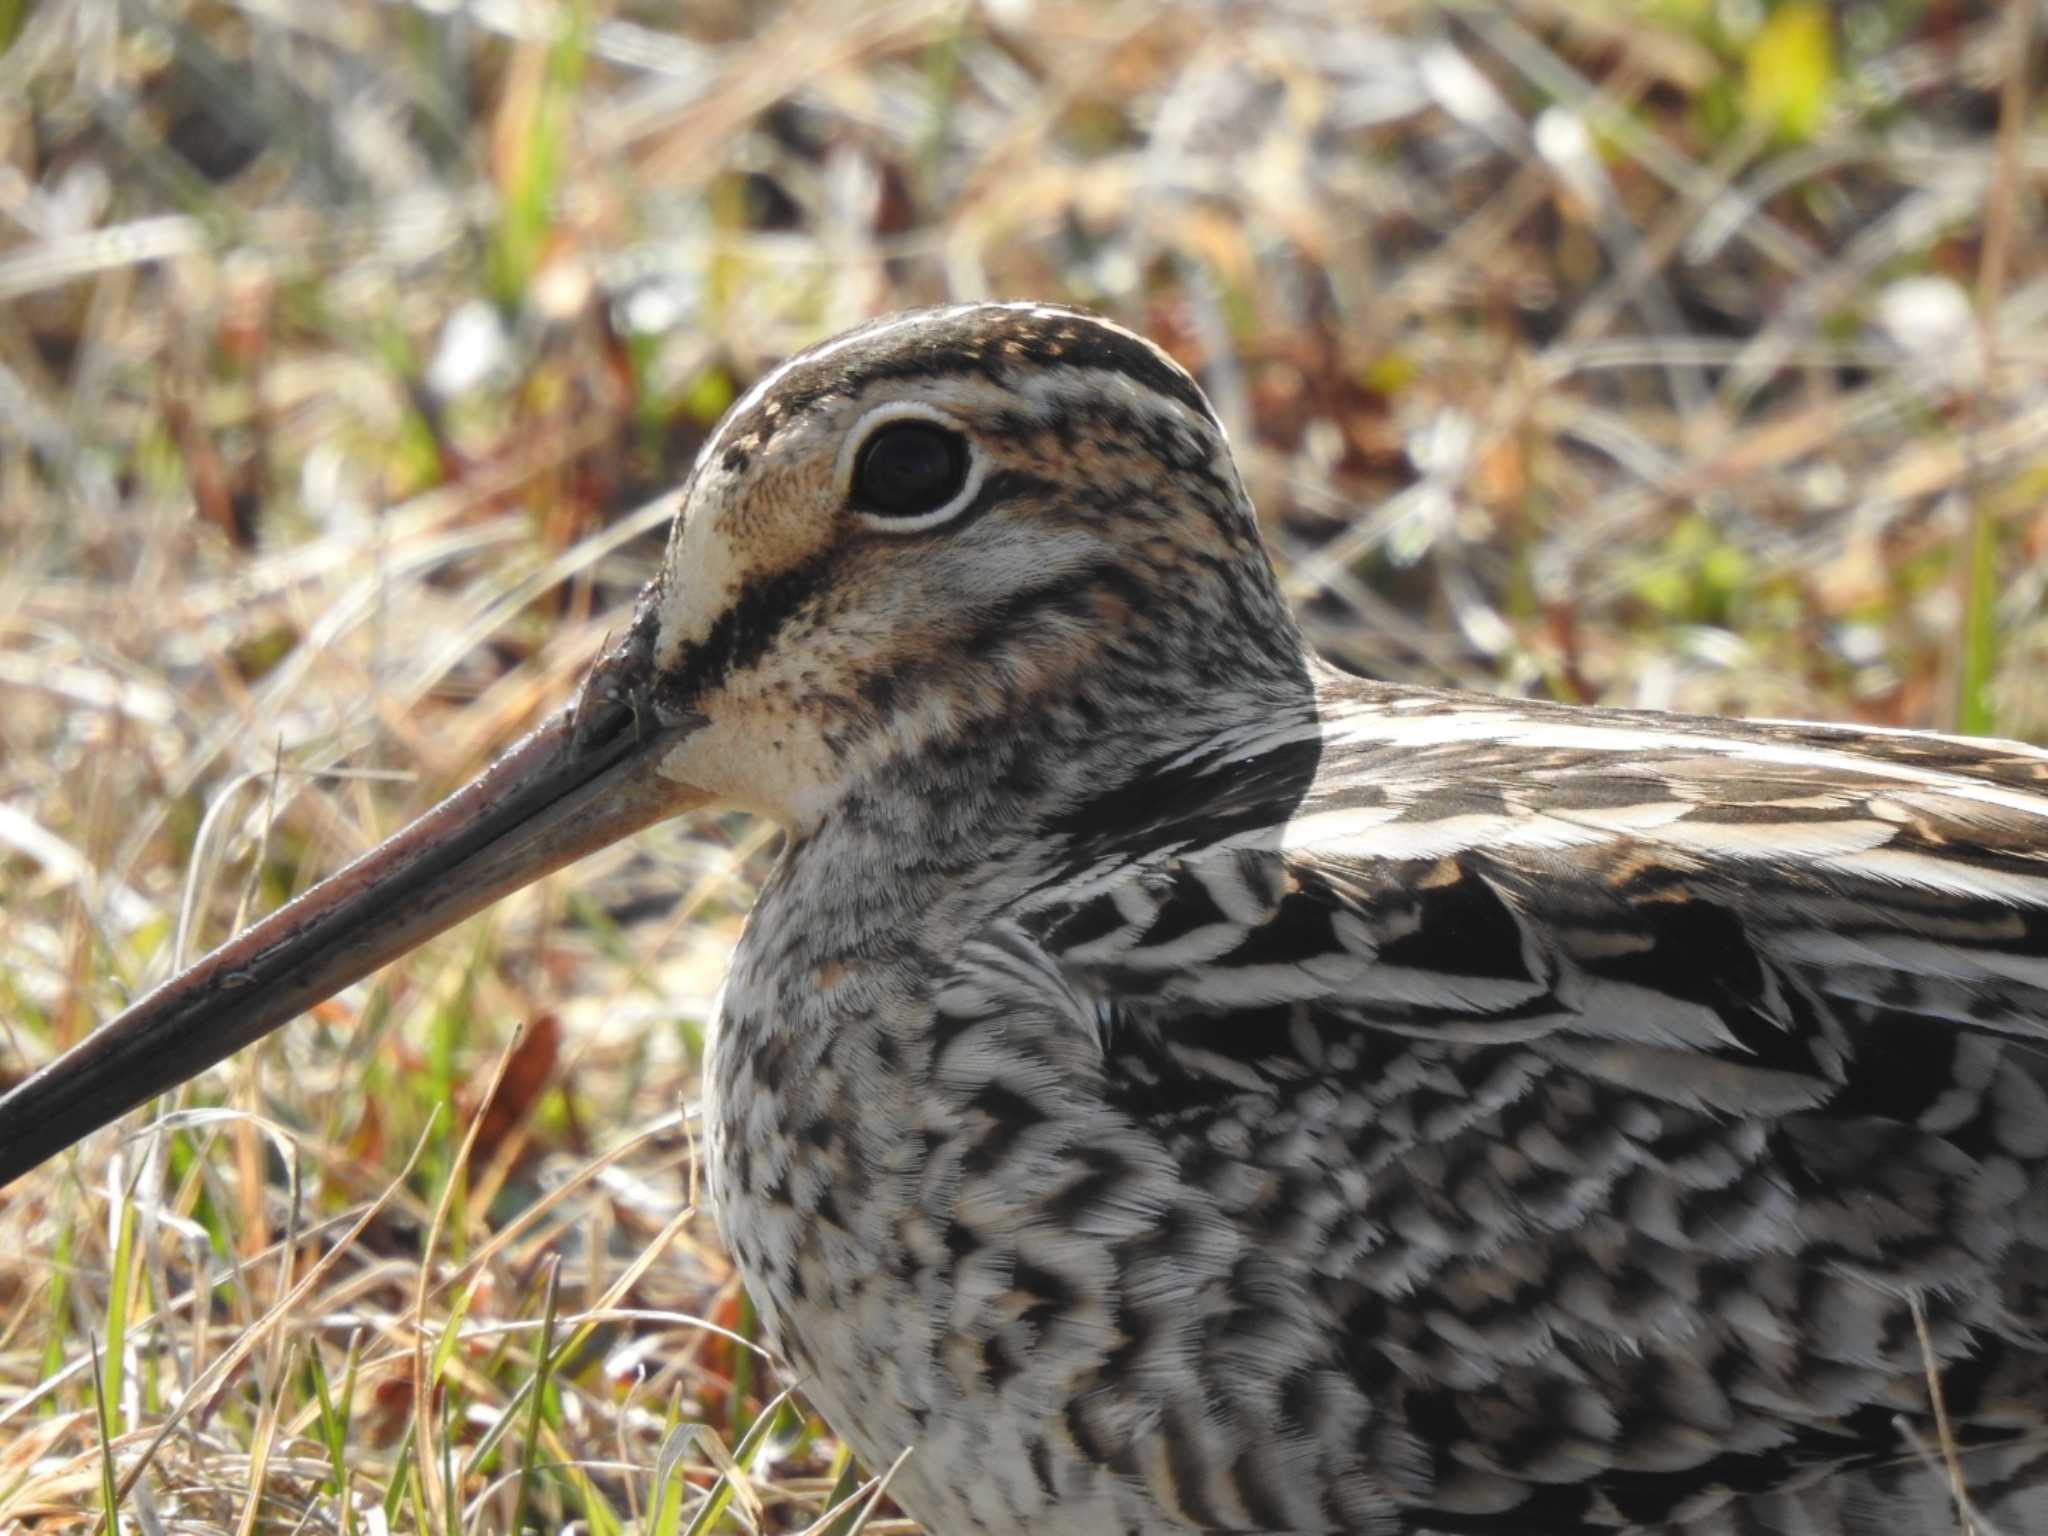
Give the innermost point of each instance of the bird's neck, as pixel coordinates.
(951, 813)
(983, 809)
(928, 847)
(827, 1063)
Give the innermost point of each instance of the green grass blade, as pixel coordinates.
(1975, 715)
(730, 1466)
(543, 1362)
(745, 1323)
(844, 1486)
(120, 1273)
(395, 1490)
(55, 1298)
(110, 1498)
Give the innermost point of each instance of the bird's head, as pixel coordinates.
(944, 526)
(939, 522)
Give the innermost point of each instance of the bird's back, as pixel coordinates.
(1624, 1115)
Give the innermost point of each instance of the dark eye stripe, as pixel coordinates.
(741, 635)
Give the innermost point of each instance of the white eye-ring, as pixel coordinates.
(908, 466)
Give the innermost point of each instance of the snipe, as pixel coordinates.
(1173, 1086)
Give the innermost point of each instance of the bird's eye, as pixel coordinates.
(909, 468)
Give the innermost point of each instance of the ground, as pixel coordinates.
(1676, 354)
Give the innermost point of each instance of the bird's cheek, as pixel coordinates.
(757, 760)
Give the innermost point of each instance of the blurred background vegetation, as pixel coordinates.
(1686, 354)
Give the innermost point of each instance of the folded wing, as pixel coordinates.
(1609, 1092)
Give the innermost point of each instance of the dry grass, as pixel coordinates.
(1679, 355)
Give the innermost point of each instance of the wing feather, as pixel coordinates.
(1617, 1085)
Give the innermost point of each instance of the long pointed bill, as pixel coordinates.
(586, 778)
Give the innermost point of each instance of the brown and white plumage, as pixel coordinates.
(1168, 1085)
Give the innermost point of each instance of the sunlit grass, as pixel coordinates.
(1568, 351)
